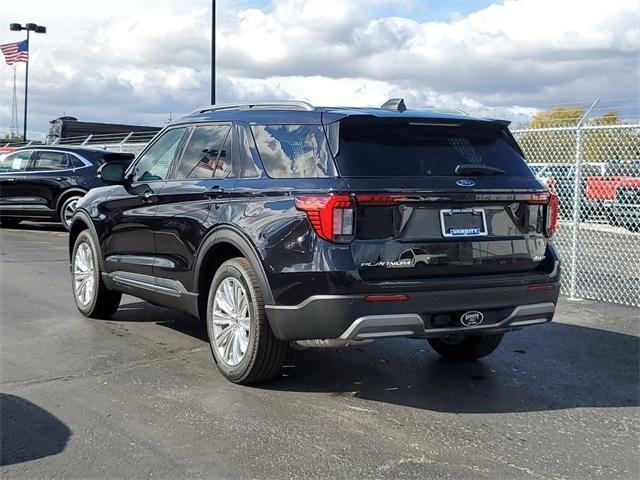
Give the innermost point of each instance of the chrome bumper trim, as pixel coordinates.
(412, 325)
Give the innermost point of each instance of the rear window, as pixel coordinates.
(400, 148)
(294, 151)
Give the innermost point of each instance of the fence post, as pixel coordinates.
(577, 201)
(577, 193)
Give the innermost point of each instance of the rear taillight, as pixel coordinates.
(331, 216)
(550, 199)
(552, 215)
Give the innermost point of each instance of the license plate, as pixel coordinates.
(463, 222)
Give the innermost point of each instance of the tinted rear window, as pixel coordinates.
(400, 148)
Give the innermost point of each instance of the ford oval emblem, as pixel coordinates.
(465, 183)
(472, 318)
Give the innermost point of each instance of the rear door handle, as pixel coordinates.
(148, 196)
(215, 192)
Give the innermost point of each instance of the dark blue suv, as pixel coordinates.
(282, 222)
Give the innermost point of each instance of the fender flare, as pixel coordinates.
(233, 236)
(83, 216)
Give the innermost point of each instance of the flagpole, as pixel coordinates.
(26, 89)
(213, 52)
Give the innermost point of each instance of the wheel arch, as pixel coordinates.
(66, 194)
(81, 222)
(222, 244)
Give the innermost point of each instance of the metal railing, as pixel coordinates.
(131, 142)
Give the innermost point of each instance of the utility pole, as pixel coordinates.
(13, 128)
(213, 52)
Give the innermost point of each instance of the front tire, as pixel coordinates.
(466, 347)
(91, 296)
(243, 345)
(66, 211)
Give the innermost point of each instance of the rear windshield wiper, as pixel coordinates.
(477, 170)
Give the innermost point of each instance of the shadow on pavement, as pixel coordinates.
(547, 367)
(140, 311)
(27, 432)
(550, 367)
(38, 226)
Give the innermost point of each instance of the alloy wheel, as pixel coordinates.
(231, 321)
(68, 209)
(83, 274)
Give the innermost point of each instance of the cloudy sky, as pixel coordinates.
(137, 61)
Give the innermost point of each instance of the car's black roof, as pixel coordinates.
(317, 115)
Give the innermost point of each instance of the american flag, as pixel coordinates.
(15, 52)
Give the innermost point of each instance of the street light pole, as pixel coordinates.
(26, 91)
(213, 52)
(29, 27)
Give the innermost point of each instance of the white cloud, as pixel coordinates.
(137, 61)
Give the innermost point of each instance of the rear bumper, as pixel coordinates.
(424, 314)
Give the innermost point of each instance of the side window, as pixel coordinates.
(154, 164)
(207, 154)
(290, 151)
(245, 165)
(15, 162)
(46, 160)
(75, 162)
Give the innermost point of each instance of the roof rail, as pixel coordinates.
(275, 104)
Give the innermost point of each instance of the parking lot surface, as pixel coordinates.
(138, 396)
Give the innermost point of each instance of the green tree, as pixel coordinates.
(599, 144)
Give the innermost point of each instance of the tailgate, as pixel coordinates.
(432, 233)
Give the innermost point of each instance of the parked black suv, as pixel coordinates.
(46, 182)
(280, 222)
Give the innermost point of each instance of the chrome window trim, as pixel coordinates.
(86, 163)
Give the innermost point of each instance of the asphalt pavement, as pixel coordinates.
(138, 396)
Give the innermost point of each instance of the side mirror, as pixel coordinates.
(111, 173)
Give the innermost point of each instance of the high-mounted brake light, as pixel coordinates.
(331, 216)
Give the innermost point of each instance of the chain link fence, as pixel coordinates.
(595, 171)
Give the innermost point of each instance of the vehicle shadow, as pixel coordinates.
(38, 226)
(140, 311)
(549, 367)
(28, 432)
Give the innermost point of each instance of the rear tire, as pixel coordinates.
(243, 345)
(92, 298)
(471, 347)
(66, 211)
(9, 222)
